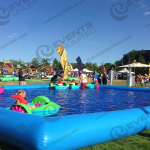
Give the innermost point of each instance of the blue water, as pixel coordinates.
(84, 101)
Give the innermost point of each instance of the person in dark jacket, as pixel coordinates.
(22, 77)
(55, 78)
(104, 78)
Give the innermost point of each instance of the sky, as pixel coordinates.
(35, 28)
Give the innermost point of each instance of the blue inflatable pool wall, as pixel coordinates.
(31, 132)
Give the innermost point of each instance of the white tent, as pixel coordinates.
(124, 71)
(135, 65)
(86, 70)
(74, 70)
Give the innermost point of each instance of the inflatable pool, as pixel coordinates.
(56, 87)
(78, 128)
(92, 86)
(44, 107)
(31, 132)
(1, 89)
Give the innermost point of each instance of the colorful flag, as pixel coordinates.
(128, 61)
(79, 62)
(120, 62)
(114, 62)
(63, 60)
(103, 69)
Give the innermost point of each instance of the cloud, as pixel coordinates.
(9, 36)
(16, 50)
(12, 51)
(146, 13)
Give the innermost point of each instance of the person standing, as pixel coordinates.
(104, 78)
(83, 80)
(146, 80)
(2, 72)
(137, 80)
(22, 77)
(95, 73)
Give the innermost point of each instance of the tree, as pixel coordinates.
(74, 65)
(35, 63)
(45, 62)
(141, 59)
(56, 63)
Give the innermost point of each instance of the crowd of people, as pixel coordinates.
(143, 80)
(140, 80)
(96, 78)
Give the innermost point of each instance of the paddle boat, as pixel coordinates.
(92, 86)
(59, 86)
(43, 107)
(2, 89)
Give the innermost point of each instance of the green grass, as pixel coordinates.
(139, 141)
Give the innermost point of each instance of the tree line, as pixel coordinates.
(138, 56)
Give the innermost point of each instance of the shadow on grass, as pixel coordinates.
(145, 135)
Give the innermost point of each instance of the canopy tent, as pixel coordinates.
(86, 70)
(135, 65)
(124, 71)
(74, 70)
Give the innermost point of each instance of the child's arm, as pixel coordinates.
(17, 101)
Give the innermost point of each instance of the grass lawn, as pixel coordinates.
(139, 141)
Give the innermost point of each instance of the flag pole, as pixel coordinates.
(115, 65)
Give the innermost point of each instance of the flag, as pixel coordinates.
(103, 69)
(63, 60)
(114, 62)
(60, 68)
(120, 62)
(79, 62)
(128, 61)
(134, 61)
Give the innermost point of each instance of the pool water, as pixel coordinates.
(81, 101)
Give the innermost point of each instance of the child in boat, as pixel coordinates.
(20, 98)
(60, 83)
(73, 82)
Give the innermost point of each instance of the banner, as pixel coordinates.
(63, 60)
(79, 62)
(103, 69)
